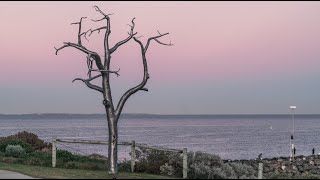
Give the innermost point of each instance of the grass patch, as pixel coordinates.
(59, 173)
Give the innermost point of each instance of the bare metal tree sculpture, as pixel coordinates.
(103, 70)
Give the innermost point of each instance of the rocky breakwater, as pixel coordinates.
(282, 167)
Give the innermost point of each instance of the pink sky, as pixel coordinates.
(215, 43)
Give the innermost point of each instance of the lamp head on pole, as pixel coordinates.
(293, 107)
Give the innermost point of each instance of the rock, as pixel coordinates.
(299, 163)
(268, 175)
(307, 168)
(305, 173)
(294, 168)
(287, 163)
(311, 162)
(314, 171)
(300, 168)
(317, 161)
(283, 168)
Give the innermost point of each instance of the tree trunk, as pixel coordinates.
(113, 144)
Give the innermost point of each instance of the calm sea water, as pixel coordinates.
(229, 136)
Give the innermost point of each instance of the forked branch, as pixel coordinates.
(106, 36)
(79, 33)
(105, 15)
(146, 76)
(155, 38)
(131, 34)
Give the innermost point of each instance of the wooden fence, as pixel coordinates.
(133, 146)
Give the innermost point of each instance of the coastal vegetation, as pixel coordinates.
(19, 151)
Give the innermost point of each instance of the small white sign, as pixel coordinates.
(293, 107)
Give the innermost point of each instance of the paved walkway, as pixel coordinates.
(13, 175)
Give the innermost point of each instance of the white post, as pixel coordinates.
(54, 152)
(133, 155)
(260, 170)
(291, 137)
(185, 163)
(290, 149)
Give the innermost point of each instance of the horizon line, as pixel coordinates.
(158, 114)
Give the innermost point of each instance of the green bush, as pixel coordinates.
(15, 151)
(28, 138)
(5, 142)
(65, 155)
(39, 153)
(39, 158)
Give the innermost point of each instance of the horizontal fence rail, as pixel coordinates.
(132, 144)
(119, 143)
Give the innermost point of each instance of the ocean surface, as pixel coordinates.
(229, 136)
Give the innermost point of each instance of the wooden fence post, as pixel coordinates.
(54, 152)
(185, 163)
(133, 155)
(260, 170)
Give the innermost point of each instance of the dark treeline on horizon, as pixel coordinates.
(138, 115)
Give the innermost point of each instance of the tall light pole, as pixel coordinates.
(291, 137)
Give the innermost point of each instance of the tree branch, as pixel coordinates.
(140, 86)
(94, 77)
(106, 37)
(79, 33)
(98, 29)
(98, 9)
(131, 34)
(109, 71)
(69, 44)
(156, 39)
(85, 34)
(91, 86)
(92, 54)
(146, 76)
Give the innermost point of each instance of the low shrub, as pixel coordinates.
(150, 160)
(207, 166)
(65, 156)
(29, 138)
(244, 171)
(5, 142)
(167, 170)
(15, 151)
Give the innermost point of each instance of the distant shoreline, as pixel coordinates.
(141, 115)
